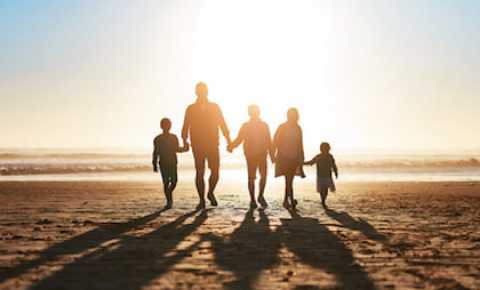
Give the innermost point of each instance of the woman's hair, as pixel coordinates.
(325, 147)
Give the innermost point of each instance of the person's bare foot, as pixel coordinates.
(212, 199)
(201, 205)
(253, 204)
(294, 203)
(324, 204)
(167, 206)
(286, 204)
(262, 201)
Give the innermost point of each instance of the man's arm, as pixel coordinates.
(155, 156)
(223, 126)
(186, 126)
(182, 149)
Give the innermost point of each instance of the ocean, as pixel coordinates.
(96, 165)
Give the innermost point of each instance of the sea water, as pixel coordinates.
(98, 165)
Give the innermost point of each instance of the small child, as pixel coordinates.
(165, 148)
(325, 165)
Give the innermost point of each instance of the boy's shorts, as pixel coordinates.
(169, 173)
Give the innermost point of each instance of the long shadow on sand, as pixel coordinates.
(359, 224)
(78, 244)
(252, 247)
(132, 263)
(316, 246)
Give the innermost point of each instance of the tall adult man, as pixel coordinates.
(203, 119)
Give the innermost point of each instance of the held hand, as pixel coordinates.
(155, 169)
(186, 146)
(273, 159)
(230, 148)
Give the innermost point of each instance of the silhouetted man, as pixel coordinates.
(202, 121)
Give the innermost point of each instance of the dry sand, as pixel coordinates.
(111, 235)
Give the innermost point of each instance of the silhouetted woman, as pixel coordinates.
(288, 148)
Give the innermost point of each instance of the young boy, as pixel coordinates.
(257, 143)
(165, 148)
(325, 165)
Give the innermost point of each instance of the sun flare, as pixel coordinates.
(277, 63)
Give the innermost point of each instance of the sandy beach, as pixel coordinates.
(114, 235)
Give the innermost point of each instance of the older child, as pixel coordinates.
(325, 165)
(165, 148)
(257, 144)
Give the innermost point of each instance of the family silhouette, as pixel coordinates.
(108, 257)
(202, 122)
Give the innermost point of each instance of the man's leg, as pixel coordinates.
(213, 158)
(199, 158)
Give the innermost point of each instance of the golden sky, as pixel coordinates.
(364, 75)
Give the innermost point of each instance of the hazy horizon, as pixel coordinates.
(309, 150)
(365, 75)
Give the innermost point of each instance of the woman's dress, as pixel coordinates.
(288, 140)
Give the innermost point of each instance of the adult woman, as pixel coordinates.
(289, 156)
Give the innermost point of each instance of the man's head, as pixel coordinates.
(292, 115)
(166, 125)
(201, 90)
(254, 111)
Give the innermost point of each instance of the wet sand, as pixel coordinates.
(114, 235)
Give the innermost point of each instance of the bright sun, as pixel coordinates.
(285, 60)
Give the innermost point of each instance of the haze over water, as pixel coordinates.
(43, 164)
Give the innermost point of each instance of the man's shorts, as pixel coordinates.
(210, 155)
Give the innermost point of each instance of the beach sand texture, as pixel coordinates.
(113, 235)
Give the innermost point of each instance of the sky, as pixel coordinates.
(365, 75)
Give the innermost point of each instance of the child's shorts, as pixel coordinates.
(325, 183)
(169, 173)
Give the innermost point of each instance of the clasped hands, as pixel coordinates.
(231, 147)
(186, 145)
